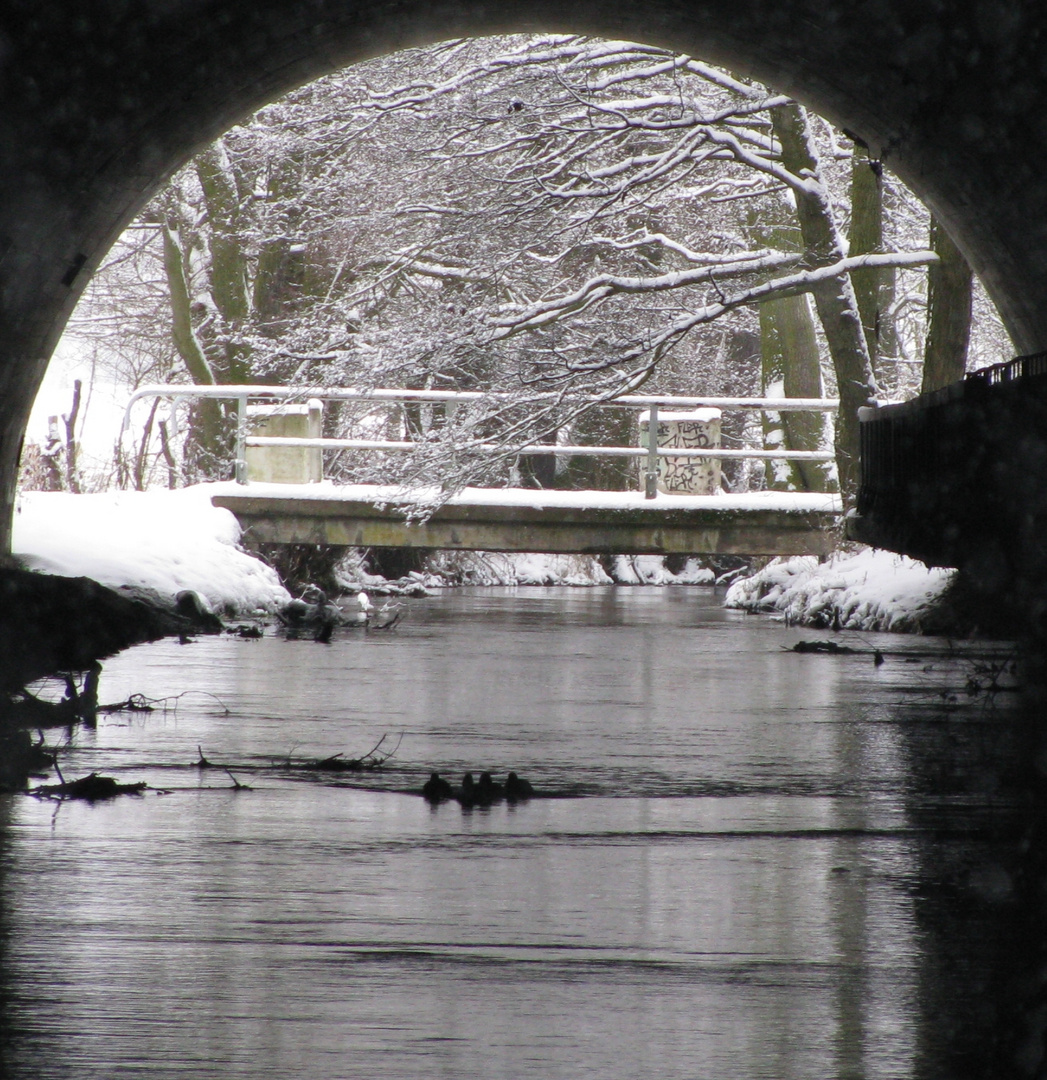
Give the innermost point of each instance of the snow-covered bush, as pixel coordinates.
(870, 590)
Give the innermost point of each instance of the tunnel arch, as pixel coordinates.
(99, 108)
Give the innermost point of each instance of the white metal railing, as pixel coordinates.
(242, 393)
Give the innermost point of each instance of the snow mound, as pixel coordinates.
(501, 568)
(162, 540)
(873, 590)
(651, 570)
(538, 569)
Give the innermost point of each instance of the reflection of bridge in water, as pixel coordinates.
(650, 521)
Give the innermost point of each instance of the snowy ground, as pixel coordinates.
(174, 540)
(781, 501)
(870, 590)
(162, 540)
(498, 568)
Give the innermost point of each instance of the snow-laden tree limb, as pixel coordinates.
(518, 215)
(511, 321)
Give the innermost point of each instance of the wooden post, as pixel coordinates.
(651, 476)
(241, 436)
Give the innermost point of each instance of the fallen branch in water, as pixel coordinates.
(237, 786)
(985, 676)
(375, 758)
(387, 616)
(819, 647)
(141, 703)
(93, 788)
(25, 709)
(135, 703)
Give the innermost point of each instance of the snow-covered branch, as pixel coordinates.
(513, 320)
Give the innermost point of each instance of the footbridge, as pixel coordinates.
(514, 519)
(651, 520)
(102, 102)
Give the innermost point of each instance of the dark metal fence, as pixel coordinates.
(943, 475)
(1021, 367)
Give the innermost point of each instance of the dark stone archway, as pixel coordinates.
(100, 102)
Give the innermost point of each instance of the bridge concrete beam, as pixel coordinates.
(636, 530)
(100, 102)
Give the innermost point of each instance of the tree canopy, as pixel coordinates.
(536, 217)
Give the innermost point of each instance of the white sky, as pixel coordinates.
(101, 407)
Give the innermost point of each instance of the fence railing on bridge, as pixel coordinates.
(656, 407)
(958, 475)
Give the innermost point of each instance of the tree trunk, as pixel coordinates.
(143, 450)
(206, 450)
(228, 260)
(72, 474)
(278, 280)
(835, 302)
(789, 359)
(182, 332)
(873, 288)
(949, 288)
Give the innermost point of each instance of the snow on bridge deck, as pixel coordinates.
(518, 519)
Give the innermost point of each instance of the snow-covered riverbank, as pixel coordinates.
(175, 540)
(497, 568)
(162, 540)
(867, 590)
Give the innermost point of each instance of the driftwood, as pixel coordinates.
(237, 786)
(24, 709)
(375, 758)
(821, 647)
(141, 703)
(135, 703)
(202, 763)
(833, 649)
(93, 788)
(387, 616)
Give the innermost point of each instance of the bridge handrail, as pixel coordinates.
(243, 392)
(1029, 366)
(545, 448)
(261, 392)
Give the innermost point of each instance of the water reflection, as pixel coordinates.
(765, 864)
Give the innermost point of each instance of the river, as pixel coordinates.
(746, 862)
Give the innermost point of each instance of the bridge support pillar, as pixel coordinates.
(286, 464)
(692, 430)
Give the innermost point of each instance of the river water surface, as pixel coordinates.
(749, 863)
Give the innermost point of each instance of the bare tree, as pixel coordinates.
(949, 301)
(541, 218)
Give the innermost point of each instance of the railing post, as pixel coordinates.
(651, 476)
(172, 441)
(654, 471)
(241, 437)
(173, 420)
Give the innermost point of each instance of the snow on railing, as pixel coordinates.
(242, 393)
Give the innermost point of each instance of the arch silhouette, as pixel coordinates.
(100, 103)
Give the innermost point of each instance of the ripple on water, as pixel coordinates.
(721, 884)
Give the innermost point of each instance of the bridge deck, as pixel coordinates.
(513, 519)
